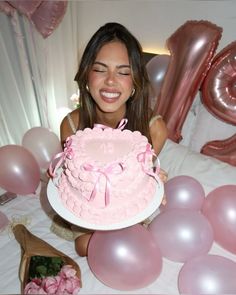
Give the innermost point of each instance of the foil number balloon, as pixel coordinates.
(192, 48)
(219, 97)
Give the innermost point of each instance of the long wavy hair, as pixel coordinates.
(137, 106)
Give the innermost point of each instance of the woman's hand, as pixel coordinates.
(164, 177)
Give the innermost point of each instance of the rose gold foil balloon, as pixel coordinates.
(48, 16)
(45, 15)
(25, 7)
(220, 209)
(19, 171)
(126, 259)
(219, 97)
(208, 274)
(219, 87)
(223, 150)
(192, 48)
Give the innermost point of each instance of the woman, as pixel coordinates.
(113, 85)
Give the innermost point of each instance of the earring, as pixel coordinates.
(133, 92)
(87, 88)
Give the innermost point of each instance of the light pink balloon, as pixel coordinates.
(25, 7)
(182, 234)
(48, 16)
(220, 209)
(126, 259)
(7, 8)
(19, 171)
(183, 192)
(208, 274)
(156, 69)
(43, 144)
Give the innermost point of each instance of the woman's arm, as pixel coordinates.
(158, 133)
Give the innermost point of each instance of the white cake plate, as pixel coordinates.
(56, 203)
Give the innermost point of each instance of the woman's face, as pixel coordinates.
(110, 80)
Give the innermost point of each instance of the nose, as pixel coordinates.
(110, 78)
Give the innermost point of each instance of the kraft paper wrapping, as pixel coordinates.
(34, 246)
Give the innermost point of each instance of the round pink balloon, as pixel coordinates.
(125, 259)
(43, 144)
(208, 274)
(182, 234)
(19, 171)
(220, 209)
(183, 192)
(156, 69)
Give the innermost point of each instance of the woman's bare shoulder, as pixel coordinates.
(69, 124)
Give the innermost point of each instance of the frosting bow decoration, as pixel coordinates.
(67, 153)
(114, 168)
(121, 125)
(142, 158)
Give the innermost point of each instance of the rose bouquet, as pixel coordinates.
(43, 268)
(48, 275)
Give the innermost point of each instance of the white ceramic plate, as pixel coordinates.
(55, 201)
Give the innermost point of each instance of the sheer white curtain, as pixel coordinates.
(36, 74)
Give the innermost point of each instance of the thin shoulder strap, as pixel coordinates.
(71, 123)
(154, 119)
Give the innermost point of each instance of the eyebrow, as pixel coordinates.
(104, 65)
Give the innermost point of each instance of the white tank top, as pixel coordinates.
(73, 128)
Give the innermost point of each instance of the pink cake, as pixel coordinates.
(108, 175)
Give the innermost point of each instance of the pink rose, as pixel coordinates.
(66, 283)
(34, 287)
(67, 271)
(72, 286)
(70, 283)
(50, 284)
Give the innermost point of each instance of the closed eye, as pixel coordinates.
(124, 74)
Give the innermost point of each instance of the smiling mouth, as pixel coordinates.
(110, 95)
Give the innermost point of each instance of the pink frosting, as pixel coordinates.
(107, 179)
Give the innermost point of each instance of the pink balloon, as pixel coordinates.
(156, 69)
(182, 234)
(25, 6)
(125, 259)
(48, 16)
(220, 209)
(218, 89)
(223, 150)
(7, 8)
(183, 192)
(43, 144)
(19, 171)
(208, 274)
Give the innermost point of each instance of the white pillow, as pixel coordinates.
(177, 159)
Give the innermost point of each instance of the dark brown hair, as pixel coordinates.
(137, 107)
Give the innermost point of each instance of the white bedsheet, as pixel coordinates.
(36, 211)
